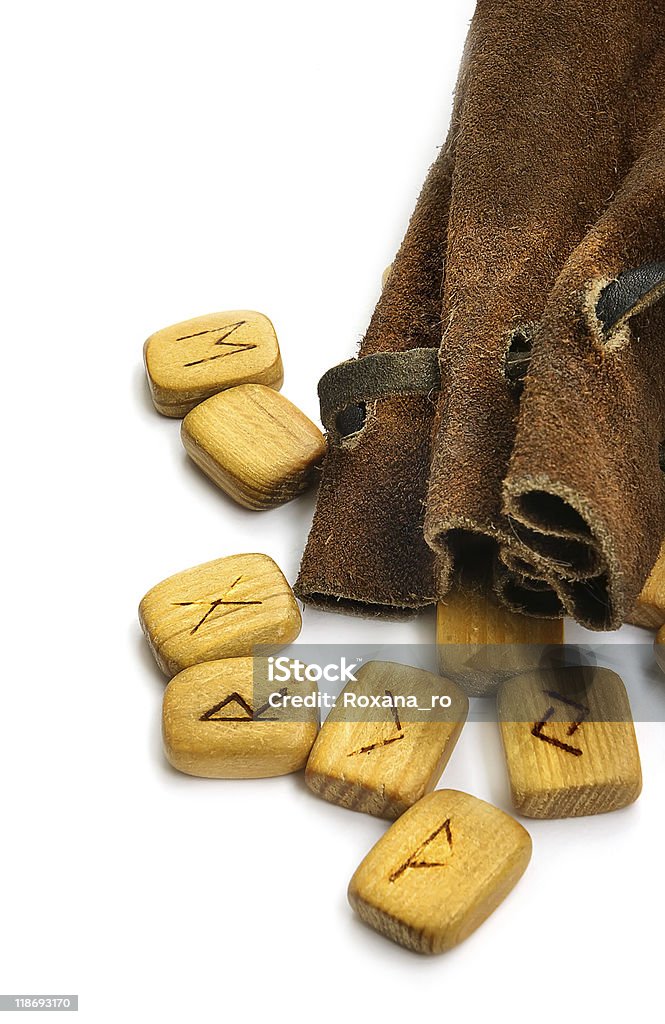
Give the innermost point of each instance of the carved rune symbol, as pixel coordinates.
(582, 714)
(391, 739)
(213, 713)
(232, 347)
(416, 858)
(213, 605)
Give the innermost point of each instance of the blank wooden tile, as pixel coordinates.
(214, 727)
(570, 743)
(649, 612)
(387, 762)
(220, 609)
(440, 871)
(481, 643)
(255, 445)
(192, 360)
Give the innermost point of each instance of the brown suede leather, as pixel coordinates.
(584, 478)
(579, 510)
(557, 193)
(366, 552)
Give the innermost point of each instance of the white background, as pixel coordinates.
(163, 160)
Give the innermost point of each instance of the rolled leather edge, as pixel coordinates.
(524, 193)
(587, 457)
(587, 449)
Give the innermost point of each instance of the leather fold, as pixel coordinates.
(554, 276)
(366, 553)
(585, 489)
(534, 265)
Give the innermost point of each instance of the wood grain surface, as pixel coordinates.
(255, 445)
(569, 742)
(440, 871)
(214, 727)
(649, 612)
(659, 647)
(382, 761)
(220, 609)
(189, 361)
(480, 643)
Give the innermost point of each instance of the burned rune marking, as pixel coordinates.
(233, 347)
(391, 739)
(213, 715)
(394, 711)
(416, 861)
(213, 605)
(582, 714)
(373, 746)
